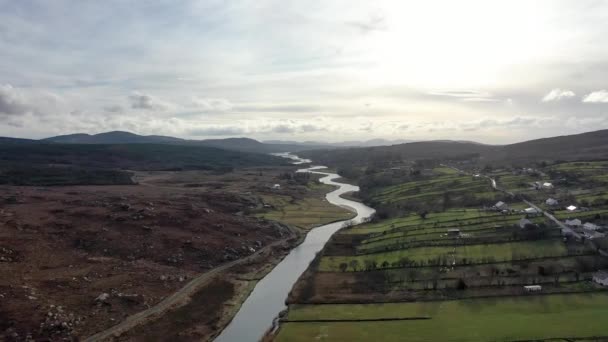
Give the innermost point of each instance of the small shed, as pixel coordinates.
(501, 206)
(533, 288)
(548, 185)
(551, 202)
(524, 223)
(571, 208)
(276, 186)
(453, 232)
(531, 211)
(601, 277)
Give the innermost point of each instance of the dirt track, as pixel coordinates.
(177, 298)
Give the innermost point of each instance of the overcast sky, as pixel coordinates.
(490, 71)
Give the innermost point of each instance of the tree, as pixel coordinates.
(354, 264)
(343, 267)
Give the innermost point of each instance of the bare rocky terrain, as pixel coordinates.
(78, 259)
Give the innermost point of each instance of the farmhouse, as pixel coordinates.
(548, 185)
(573, 223)
(601, 278)
(592, 234)
(533, 288)
(501, 206)
(276, 186)
(551, 202)
(571, 208)
(591, 226)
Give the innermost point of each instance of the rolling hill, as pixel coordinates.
(591, 145)
(120, 137)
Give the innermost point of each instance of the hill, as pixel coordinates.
(120, 137)
(114, 137)
(591, 145)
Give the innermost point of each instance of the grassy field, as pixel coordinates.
(463, 287)
(311, 211)
(472, 253)
(496, 319)
(433, 189)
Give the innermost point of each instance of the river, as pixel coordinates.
(267, 300)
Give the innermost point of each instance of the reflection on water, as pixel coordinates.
(268, 297)
(294, 159)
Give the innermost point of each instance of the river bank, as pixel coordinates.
(267, 300)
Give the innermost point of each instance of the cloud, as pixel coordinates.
(375, 22)
(221, 130)
(113, 109)
(212, 105)
(12, 102)
(295, 108)
(466, 95)
(558, 94)
(600, 96)
(144, 101)
(258, 127)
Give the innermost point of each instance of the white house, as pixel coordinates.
(601, 278)
(276, 186)
(551, 202)
(533, 288)
(501, 206)
(531, 211)
(571, 208)
(548, 185)
(591, 226)
(573, 223)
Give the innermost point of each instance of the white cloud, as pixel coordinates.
(12, 102)
(148, 102)
(600, 96)
(212, 105)
(558, 94)
(466, 95)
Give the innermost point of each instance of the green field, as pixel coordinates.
(472, 253)
(308, 212)
(495, 319)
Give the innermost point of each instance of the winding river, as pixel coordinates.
(258, 312)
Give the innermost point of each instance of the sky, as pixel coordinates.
(322, 70)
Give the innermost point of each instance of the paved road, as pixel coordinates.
(176, 298)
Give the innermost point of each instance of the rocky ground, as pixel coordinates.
(77, 260)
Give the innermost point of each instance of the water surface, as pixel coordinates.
(267, 300)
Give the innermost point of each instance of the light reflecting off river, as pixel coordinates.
(267, 300)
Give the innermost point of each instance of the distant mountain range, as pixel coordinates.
(120, 137)
(579, 146)
(585, 146)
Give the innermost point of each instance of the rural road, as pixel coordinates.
(171, 301)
